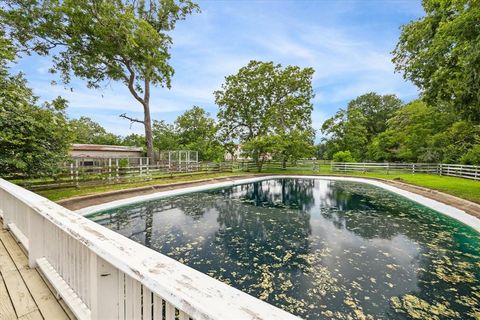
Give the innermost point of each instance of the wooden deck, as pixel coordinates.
(23, 292)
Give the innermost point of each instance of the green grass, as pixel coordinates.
(463, 188)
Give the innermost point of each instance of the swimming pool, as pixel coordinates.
(317, 248)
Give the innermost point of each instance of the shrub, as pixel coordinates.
(343, 156)
(472, 156)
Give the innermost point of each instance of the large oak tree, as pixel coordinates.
(100, 40)
(265, 103)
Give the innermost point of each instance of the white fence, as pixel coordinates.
(455, 170)
(101, 274)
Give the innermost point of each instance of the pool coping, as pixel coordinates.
(443, 208)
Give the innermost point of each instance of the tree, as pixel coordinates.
(196, 130)
(264, 100)
(165, 136)
(410, 135)
(134, 140)
(440, 54)
(34, 139)
(261, 148)
(296, 145)
(472, 156)
(120, 40)
(343, 156)
(88, 131)
(355, 127)
(375, 109)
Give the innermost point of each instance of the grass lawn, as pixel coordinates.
(463, 188)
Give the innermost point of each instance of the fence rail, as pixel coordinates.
(454, 170)
(111, 172)
(101, 274)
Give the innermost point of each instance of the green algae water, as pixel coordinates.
(316, 248)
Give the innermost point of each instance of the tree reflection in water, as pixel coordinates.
(320, 249)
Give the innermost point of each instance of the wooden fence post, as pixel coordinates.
(109, 169)
(76, 172)
(117, 176)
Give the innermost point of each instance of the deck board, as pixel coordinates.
(24, 294)
(7, 312)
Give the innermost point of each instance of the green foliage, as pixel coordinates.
(34, 139)
(164, 136)
(88, 131)
(118, 40)
(192, 130)
(440, 53)
(261, 148)
(472, 156)
(354, 129)
(262, 102)
(343, 156)
(134, 140)
(296, 145)
(196, 130)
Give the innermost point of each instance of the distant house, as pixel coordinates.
(238, 155)
(104, 151)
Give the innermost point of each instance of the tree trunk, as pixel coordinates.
(148, 133)
(148, 121)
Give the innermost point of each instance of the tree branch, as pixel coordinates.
(132, 120)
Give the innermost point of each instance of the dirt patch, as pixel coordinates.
(95, 199)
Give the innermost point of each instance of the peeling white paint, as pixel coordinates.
(71, 246)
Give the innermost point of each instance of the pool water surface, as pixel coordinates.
(319, 249)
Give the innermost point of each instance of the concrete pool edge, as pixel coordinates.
(446, 209)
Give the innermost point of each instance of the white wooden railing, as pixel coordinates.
(101, 274)
(454, 170)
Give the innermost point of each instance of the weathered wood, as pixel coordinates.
(35, 315)
(17, 254)
(21, 299)
(29, 293)
(6, 262)
(176, 285)
(7, 311)
(46, 302)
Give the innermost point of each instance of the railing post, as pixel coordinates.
(7, 208)
(36, 237)
(104, 289)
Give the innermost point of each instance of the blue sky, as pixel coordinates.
(348, 43)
